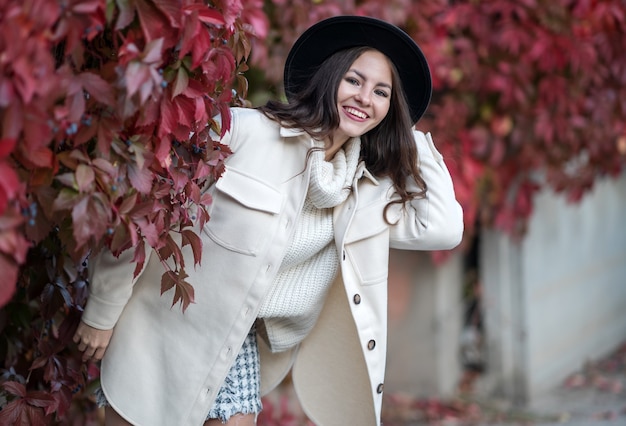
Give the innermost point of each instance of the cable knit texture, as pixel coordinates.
(295, 300)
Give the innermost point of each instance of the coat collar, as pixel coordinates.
(361, 170)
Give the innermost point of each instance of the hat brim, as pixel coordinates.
(342, 32)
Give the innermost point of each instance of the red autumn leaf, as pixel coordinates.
(12, 242)
(67, 179)
(179, 178)
(200, 46)
(168, 281)
(97, 87)
(169, 117)
(185, 108)
(7, 93)
(65, 200)
(231, 10)
(85, 6)
(126, 14)
(180, 82)
(6, 147)
(9, 270)
(15, 388)
(171, 10)
(75, 103)
(143, 209)
(138, 75)
(140, 178)
(25, 83)
(149, 231)
(89, 220)
(85, 177)
(193, 192)
(12, 121)
(30, 408)
(191, 238)
(171, 248)
(40, 156)
(120, 239)
(254, 16)
(184, 292)
(105, 166)
(9, 185)
(153, 52)
(128, 204)
(139, 257)
(154, 23)
(162, 151)
(220, 65)
(226, 119)
(206, 14)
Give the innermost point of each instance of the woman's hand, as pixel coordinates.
(92, 342)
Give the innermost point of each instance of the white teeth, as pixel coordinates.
(356, 112)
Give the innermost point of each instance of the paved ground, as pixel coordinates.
(594, 396)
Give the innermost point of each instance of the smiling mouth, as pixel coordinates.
(356, 113)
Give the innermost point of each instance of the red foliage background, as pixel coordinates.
(106, 110)
(527, 95)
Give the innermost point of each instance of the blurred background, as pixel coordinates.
(529, 112)
(524, 323)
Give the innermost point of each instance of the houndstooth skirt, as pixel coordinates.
(240, 392)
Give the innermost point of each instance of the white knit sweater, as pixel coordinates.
(295, 299)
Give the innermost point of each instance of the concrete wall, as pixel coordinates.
(425, 319)
(557, 298)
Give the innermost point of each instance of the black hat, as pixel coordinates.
(342, 32)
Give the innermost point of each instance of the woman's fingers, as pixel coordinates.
(92, 342)
(99, 354)
(88, 353)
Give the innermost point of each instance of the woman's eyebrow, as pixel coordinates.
(365, 78)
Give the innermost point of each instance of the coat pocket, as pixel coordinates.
(243, 213)
(369, 258)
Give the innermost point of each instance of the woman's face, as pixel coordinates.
(364, 95)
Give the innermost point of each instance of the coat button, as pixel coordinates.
(204, 394)
(357, 299)
(379, 389)
(371, 344)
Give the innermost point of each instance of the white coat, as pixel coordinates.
(164, 367)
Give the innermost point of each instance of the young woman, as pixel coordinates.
(295, 255)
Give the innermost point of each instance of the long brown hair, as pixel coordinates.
(388, 150)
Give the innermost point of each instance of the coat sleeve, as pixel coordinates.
(436, 221)
(111, 278)
(110, 287)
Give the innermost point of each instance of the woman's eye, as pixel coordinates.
(382, 93)
(352, 81)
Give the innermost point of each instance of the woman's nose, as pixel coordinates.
(363, 96)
